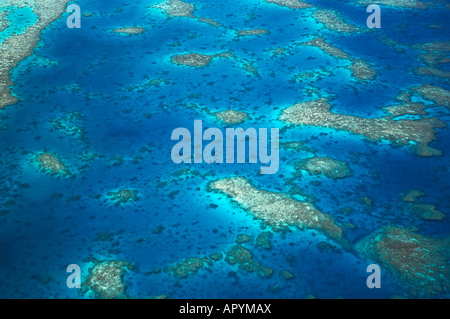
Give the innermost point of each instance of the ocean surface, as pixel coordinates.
(84, 97)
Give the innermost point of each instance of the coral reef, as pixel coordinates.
(250, 68)
(417, 208)
(329, 167)
(334, 21)
(438, 95)
(293, 4)
(435, 56)
(105, 279)
(216, 257)
(241, 257)
(196, 59)
(123, 196)
(419, 133)
(252, 32)
(277, 209)
(404, 4)
(286, 274)
(52, 164)
(145, 84)
(243, 238)
(297, 146)
(69, 124)
(425, 211)
(19, 46)
(188, 267)
(413, 195)
(421, 261)
(360, 69)
(231, 117)
(178, 8)
(129, 30)
(263, 240)
(407, 106)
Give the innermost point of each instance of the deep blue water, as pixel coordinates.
(42, 230)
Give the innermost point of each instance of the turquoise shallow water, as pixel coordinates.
(20, 19)
(48, 222)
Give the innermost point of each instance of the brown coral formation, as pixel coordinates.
(421, 261)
